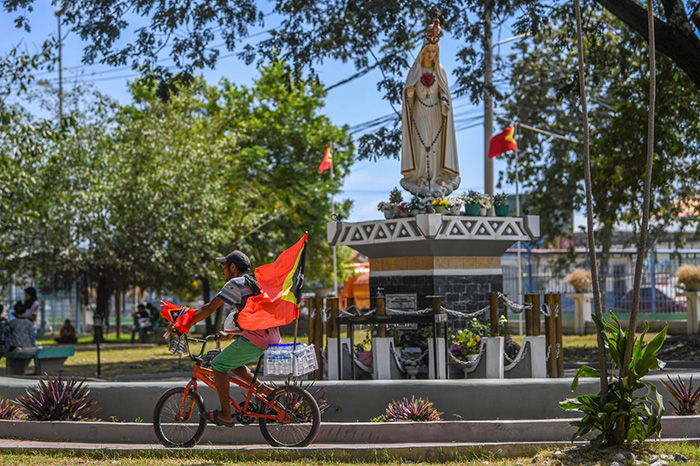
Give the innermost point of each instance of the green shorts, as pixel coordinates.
(237, 354)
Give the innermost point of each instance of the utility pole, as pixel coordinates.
(58, 14)
(488, 97)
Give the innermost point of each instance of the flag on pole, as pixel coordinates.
(327, 161)
(280, 285)
(502, 142)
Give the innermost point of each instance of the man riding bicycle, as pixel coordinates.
(251, 344)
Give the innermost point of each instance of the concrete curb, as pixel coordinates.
(470, 399)
(442, 432)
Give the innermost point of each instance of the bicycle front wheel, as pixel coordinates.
(303, 418)
(177, 419)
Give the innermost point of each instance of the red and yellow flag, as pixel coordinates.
(178, 315)
(502, 142)
(280, 291)
(327, 161)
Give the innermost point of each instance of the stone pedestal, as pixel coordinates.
(494, 357)
(693, 311)
(381, 357)
(441, 359)
(334, 365)
(582, 311)
(455, 257)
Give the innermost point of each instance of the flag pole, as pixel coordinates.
(517, 214)
(335, 260)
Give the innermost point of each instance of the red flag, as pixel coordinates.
(502, 142)
(327, 161)
(178, 315)
(280, 285)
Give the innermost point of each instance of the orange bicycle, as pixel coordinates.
(288, 417)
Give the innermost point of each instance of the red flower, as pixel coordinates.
(427, 79)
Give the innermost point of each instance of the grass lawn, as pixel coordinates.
(572, 456)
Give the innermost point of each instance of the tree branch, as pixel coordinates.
(676, 39)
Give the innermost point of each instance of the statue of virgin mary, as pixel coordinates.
(429, 160)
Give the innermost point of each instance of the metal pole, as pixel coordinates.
(58, 13)
(335, 260)
(517, 214)
(488, 98)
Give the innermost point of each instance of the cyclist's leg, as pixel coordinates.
(232, 358)
(244, 373)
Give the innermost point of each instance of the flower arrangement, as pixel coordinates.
(401, 209)
(472, 197)
(416, 204)
(385, 206)
(463, 343)
(500, 199)
(580, 279)
(457, 201)
(689, 276)
(440, 202)
(485, 201)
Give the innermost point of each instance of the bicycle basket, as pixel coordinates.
(283, 360)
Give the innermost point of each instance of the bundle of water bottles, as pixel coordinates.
(178, 343)
(284, 359)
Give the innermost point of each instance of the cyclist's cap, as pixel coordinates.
(236, 258)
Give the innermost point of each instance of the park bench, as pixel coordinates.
(48, 360)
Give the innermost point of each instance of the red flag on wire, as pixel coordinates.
(327, 161)
(280, 285)
(502, 142)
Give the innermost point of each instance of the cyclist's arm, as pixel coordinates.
(207, 310)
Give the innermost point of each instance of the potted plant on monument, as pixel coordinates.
(471, 203)
(580, 279)
(500, 205)
(387, 208)
(456, 204)
(440, 205)
(689, 276)
(485, 203)
(464, 345)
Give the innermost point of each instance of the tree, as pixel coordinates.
(545, 95)
(150, 193)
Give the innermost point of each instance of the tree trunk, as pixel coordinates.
(206, 297)
(641, 246)
(104, 293)
(118, 312)
(589, 204)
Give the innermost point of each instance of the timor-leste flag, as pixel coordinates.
(280, 291)
(178, 315)
(327, 161)
(502, 142)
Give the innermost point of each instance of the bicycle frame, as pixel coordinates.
(207, 377)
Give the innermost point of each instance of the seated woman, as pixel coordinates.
(67, 334)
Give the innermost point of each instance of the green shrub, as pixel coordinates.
(624, 417)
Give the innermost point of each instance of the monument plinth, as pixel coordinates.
(456, 257)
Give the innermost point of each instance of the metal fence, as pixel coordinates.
(660, 295)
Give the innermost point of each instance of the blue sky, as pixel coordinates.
(368, 182)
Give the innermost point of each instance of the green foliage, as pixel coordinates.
(546, 95)
(624, 416)
(56, 399)
(149, 194)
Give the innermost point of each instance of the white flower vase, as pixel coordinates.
(454, 210)
(483, 211)
(388, 214)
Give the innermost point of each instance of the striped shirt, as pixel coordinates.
(232, 294)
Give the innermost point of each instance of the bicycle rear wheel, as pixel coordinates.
(178, 426)
(303, 418)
